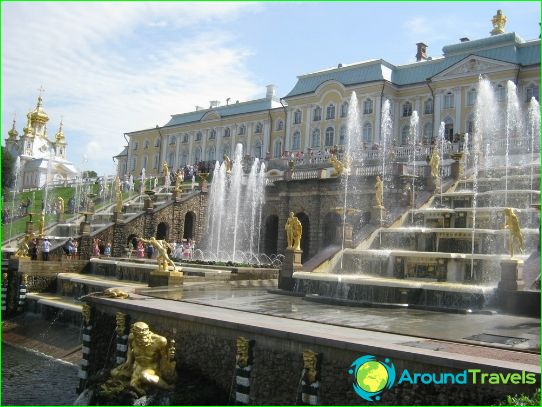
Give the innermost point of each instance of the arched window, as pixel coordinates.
(297, 117)
(212, 134)
(428, 132)
(171, 159)
(531, 91)
(296, 141)
(277, 150)
(342, 135)
(211, 154)
(471, 97)
(259, 127)
(500, 93)
(155, 161)
(367, 132)
(330, 133)
(407, 109)
(157, 142)
(317, 114)
(344, 109)
(368, 106)
(470, 124)
(258, 149)
(449, 129)
(428, 106)
(226, 150)
(197, 155)
(404, 135)
(242, 130)
(315, 138)
(185, 138)
(448, 101)
(172, 140)
(227, 132)
(199, 136)
(280, 125)
(134, 145)
(145, 159)
(330, 112)
(146, 144)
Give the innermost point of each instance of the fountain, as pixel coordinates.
(533, 125)
(233, 235)
(513, 127)
(17, 169)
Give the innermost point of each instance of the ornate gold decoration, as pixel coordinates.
(24, 279)
(162, 257)
(379, 192)
(512, 224)
(121, 323)
(242, 355)
(435, 164)
(60, 205)
(42, 224)
(310, 364)
(4, 278)
(227, 163)
(165, 168)
(38, 114)
(59, 136)
(498, 21)
(116, 293)
(86, 312)
(294, 231)
(338, 166)
(22, 247)
(13, 132)
(149, 363)
(118, 196)
(179, 178)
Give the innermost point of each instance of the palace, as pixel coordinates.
(37, 153)
(313, 115)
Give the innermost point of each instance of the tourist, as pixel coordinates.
(45, 248)
(74, 249)
(149, 251)
(33, 250)
(140, 252)
(68, 248)
(107, 250)
(129, 249)
(96, 248)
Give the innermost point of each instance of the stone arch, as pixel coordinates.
(305, 237)
(132, 238)
(162, 231)
(271, 234)
(189, 228)
(329, 229)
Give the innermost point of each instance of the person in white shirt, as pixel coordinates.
(45, 248)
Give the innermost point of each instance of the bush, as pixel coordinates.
(521, 400)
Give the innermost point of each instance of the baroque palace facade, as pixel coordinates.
(313, 115)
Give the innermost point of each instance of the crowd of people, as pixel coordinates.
(183, 250)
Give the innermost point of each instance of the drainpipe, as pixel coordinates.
(270, 130)
(285, 125)
(427, 82)
(517, 75)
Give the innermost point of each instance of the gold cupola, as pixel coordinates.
(28, 131)
(59, 136)
(38, 115)
(13, 132)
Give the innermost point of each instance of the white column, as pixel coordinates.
(267, 137)
(436, 112)
(233, 141)
(396, 120)
(163, 150)
(176, 163)
(191, 138)
(308, 136)
(458, 103)
(203, 148)
(249, 140)
(289, 129)
(378, 117)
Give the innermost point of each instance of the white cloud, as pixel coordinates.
(110, 68)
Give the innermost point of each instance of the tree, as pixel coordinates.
(89, 174)
(8, 166)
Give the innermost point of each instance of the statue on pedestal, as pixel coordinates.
(162, 257)
(337, 165)
(165, 168)
(227, 163)
(23, 247)
(435, 164)
(294, 230)
(179, 178)
(150, 362)
(118, 196)
(60, 204)
(512, 224)
(379, 192)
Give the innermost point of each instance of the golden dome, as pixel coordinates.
(13, 132)
(59, 136)
(38, 114)
(28, 129)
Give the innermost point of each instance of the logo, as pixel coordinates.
(372, 377)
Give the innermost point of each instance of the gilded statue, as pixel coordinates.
(242, 355)
(162, 257)
(179, 178)
(118, 196)
(337, 165)
(4, 278)
(149, 361)
(165, 169)
(86, 312)
(227, 164)
(512, 224)
(23, 247)
(120, 318)
(310, 362)
(60, 204)
(498, 21)
(116, 293)
(379, 192)
(435, 164)
(294, 230)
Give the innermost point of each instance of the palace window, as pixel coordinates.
(315, 138)
(342, 135)
(330, 133)
(211, 154)
(296, 141)
(199, 136)
(226, 150)
(146, 144)
(367, 132)
(344, 109)
(471, 97)
(134, 162)
(428, 106)
(172, 140)
(277, 150)
(317, 114)
(197, 155)
(157, 142)
(448, 101)
(185, 138)
(500, 93)
(280, 125)
(449, 129)
(135, 145)
(428, 131)
(242, 130)
(212, 134)
(330, 112)
(407, 109)
(171, 159)
(530, 92)
(297, 117)
(259, 127)
(258, 149)
(227, 132)
(368, 106)
(155, 161)
(145, 159)
(404, 135)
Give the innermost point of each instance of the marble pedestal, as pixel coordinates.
(165, 278)
(291, 263)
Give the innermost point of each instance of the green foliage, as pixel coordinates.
(8, 164)
(521, 400)
(89, 174)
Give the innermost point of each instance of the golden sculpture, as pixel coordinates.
(162, 257)
(512, 223)
(42, 224)
(242, 351)
(24, 279)
(120, 318)
(118, 196)
(227, 163)
(116, 293)
(149, 361)
(498, 21)
(294, 230)
(337, 165)
(179, 178)
(22, 247)
(86, 313)
(379, 192)
(60, 203)
(310, 362)
(165, 168)
(4, 278)
(435, 164)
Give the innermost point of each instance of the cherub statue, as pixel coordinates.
(498, 21)
(22, 247)
(337, 165)
(162, 257)
(294, 231)
(512, 223)
(379, 192)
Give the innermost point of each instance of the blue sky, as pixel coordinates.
(110, 68)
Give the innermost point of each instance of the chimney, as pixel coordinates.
(464, 39)
(271, 91)
(213, 104)
(199, 108)
(421, 51)
(340, 65)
